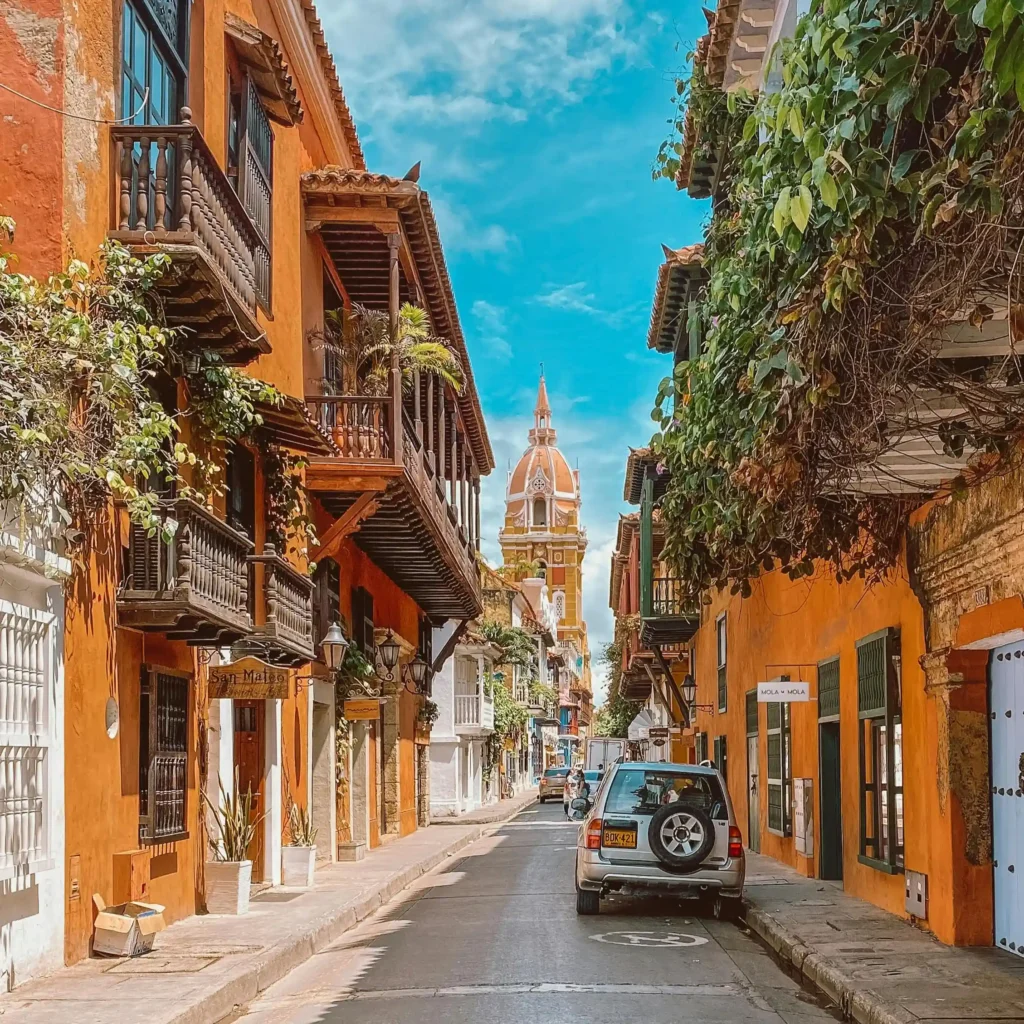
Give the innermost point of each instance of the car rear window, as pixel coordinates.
(643, 791)
(556, 773)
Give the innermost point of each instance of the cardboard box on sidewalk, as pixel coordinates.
(127, 929)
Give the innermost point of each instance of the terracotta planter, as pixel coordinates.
(297, 863)
(227, 886)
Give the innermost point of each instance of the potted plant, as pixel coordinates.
(298, 857)
(229, 874)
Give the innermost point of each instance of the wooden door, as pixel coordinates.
(830, 863)
(249, 715)
(373, 839)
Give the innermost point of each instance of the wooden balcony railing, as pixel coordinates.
(194, 586)
(288, 607)
(170, 190)
(360, 425)
(670, 598)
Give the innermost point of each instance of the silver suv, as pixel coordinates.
(660, 827)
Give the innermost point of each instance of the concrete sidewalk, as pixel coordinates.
(204, 967)
(490, 813)
(877, 968)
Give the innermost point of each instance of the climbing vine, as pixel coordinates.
(873, 205)
(85, 413)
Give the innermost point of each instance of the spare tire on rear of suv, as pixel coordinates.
(681, 837)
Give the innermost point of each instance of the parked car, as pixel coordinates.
(572, 788)
(663, 828)
(552, 783)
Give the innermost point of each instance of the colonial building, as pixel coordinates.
(219, 135)
(542, 533)
(869, 734)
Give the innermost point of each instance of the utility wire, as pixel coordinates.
(79, 117)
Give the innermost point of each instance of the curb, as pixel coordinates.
(829, 978)
(278, 961)
(521, 802)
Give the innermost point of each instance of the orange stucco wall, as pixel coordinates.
(785, 628)
(55, 180)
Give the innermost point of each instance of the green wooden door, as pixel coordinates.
(830, 863)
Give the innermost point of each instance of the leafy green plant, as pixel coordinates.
(429, 713)
(362, 343)
(235, 821)
(614, 716)
(84, 356)
(542, 695)
(518, 647)
(300, 827)
(866, 207)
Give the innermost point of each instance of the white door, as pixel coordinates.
(1007, 721)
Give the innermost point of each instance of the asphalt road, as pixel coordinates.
(494, 937)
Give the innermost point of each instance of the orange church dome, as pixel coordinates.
(542, 488)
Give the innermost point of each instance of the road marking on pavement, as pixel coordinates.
(546, 989)
(651, 940)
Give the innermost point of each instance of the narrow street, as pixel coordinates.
(495, 937)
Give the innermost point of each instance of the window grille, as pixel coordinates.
(163, 754)
(26, 674)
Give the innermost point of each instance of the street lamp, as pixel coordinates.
(333, 647)
(690, 697)
(389, 651)
(416, 671)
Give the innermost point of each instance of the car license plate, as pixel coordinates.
(619, 838)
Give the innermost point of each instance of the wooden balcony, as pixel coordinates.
(668, 614)
(286, 633)
(409, 491)
(173, 198)
(193, 587)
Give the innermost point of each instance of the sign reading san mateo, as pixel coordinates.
(248, 679)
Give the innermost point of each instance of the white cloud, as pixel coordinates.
(491, 327)
(573, 298)
(468, 61)
(458, 232)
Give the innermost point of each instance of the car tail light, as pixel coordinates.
(735, 842)
(594, 834)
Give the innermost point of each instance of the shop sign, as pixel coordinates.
(363, 710)
(781, 692)
(658, 732)
(248, 679)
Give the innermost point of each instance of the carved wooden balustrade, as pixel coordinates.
(360, 425)
(193, 586)
(287, 628)
(171, 195)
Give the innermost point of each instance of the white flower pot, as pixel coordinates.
(297, 863)
(227, 886)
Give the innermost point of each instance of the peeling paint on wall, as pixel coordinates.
(969, 781)
(37, 35)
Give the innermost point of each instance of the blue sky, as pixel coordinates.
(537, 122)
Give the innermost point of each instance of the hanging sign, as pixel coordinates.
(362, 710)
(782, 692)
(658, 732)
(248, 679)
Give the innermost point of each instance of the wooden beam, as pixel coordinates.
(446, 651)
(362, 508)
(667, 669)
(332, 270)
(386, 220)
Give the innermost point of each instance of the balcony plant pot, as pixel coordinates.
(227, 886)
(297, 865)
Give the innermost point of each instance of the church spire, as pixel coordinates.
(543, 432)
